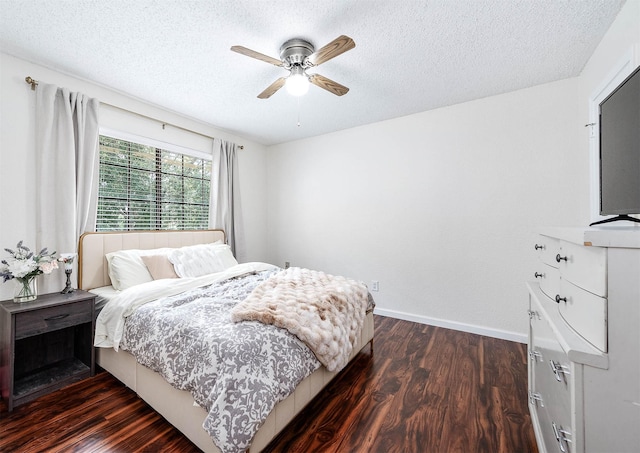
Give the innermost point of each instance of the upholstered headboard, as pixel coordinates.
(92, 264)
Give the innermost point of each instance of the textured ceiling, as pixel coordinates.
(410, 55)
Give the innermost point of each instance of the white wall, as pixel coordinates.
(441, 207)
(18, 158)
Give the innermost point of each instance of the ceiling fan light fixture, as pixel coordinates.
(297, 55)
(298, 82)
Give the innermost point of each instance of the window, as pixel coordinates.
(144, 187)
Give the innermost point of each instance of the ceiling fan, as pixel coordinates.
(297, 55)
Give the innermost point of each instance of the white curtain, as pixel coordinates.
(67, 169)
(224, 172)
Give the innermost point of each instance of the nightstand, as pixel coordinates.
(45, 344)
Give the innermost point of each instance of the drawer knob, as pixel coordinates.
(560, 299)
(560, 258)
(539, 247)
(539, 275)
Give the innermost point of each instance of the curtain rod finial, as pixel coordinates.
(31, 82)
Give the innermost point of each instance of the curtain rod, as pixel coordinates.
(34, 84)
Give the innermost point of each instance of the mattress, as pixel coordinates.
(103, 295)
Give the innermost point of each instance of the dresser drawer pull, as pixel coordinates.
(558, 370)
(57, 317)
(535, 355)
(539, 275)
(561, 436)
(561, 258)
(534, 398)
(539, 247)
(560, 299)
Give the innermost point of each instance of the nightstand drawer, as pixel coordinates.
(57, 317)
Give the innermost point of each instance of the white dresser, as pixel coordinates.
(584, 340)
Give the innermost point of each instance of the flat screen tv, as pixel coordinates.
(620, 151)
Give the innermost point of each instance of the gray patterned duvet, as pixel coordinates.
(236, 371)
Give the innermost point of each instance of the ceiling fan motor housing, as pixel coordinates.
(296, 52)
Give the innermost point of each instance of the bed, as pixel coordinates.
(179, 406)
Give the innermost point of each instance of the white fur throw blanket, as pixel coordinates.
(326, 312)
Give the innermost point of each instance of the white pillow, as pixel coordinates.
(126, 268)
(226, 256)
(201, 259)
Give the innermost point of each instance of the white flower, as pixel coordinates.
(67, 257)
(20, 268)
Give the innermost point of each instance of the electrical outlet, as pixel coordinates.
(375, 285)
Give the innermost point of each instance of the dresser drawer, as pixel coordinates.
(547, 441)
(585, 267)
(554, 379)
(53, 318)
(547, 249)
(549, 279)
(557, 432)
(585, 313)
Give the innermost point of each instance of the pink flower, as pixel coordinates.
(49, 266)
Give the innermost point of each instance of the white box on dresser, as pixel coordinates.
(584, 340)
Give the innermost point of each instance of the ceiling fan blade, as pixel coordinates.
(275, 86)
(336, 47)
(257, 55)
(328, 84)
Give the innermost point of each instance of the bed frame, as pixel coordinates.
(177, 406)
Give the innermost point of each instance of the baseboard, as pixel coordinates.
(479, 330)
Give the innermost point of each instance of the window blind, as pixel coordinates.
(144, 187)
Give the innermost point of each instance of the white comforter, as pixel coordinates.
(110, 322)
(237, 372)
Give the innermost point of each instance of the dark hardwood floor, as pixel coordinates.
(424, 389)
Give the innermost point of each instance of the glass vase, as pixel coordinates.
(26, 289)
